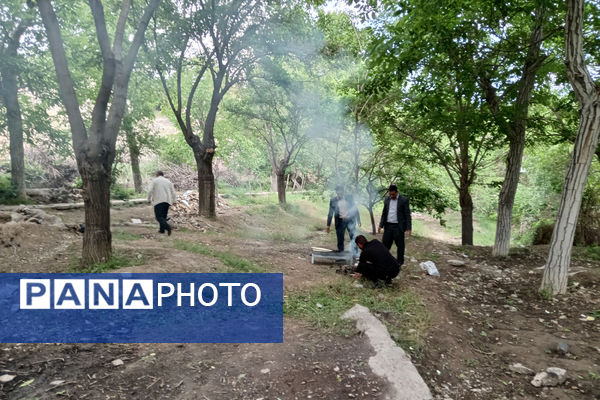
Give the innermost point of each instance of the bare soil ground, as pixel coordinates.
(484, 317)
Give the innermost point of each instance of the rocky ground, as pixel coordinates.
(493, 331)
(489, 330)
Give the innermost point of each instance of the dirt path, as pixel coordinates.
(433, 229)
(309, 364)
(485, 316)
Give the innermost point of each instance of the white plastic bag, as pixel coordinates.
(430, 267)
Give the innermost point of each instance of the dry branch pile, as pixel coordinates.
(185, 210)
(184, 177)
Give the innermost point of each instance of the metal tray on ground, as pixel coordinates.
(331, 257)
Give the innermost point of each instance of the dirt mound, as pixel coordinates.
(16, 228)
(11, 235)
(26, 214)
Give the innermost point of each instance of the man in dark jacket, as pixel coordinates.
(395, 221)
(375, 261)
(344, 212)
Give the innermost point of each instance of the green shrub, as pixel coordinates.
(540, 233)
(173, 149)
(8, 195)
(121, 193)
(592, 252)
(78, 184)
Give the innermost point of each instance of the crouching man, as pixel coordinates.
(375, 261)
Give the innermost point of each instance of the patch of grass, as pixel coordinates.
(420, 229)
(293, 234)
(236, 263)
(472, 362)
(592, 252)
(197, 248)
(519, 251)
(323, 305)
(267, 210)
(233, 262)
(118, 260)
(287, 223)
(545, 294)
(484, 228)
(125, 236)
(293, 209)
(485, 231)
(241, 199)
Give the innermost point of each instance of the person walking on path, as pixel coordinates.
(161, 194)
(375, 261)
(345, 214)
(395, 221)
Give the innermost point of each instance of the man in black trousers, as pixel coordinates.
(161, 194)
(343, 210)
(375, 261)
(395, 221)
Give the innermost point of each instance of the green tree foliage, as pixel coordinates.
(222, 39)
(282, 98)
(138, 119)
(26, 88)
(488, 50)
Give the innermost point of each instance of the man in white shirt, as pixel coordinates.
(396, 221)
(161, 194)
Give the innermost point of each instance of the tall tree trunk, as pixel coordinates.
(135, 170)
(96, 197)
(506, 199)
(95, 152)
(464, 196)
(281, 184)
(273, 181)
(10, 98)
(372, 217)
(466, 213)
(516, 132)
(561, 244)
(587, 93)
(137, 174)
(206, 185)
(134, 157)
(204, 157)
(134, 153)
